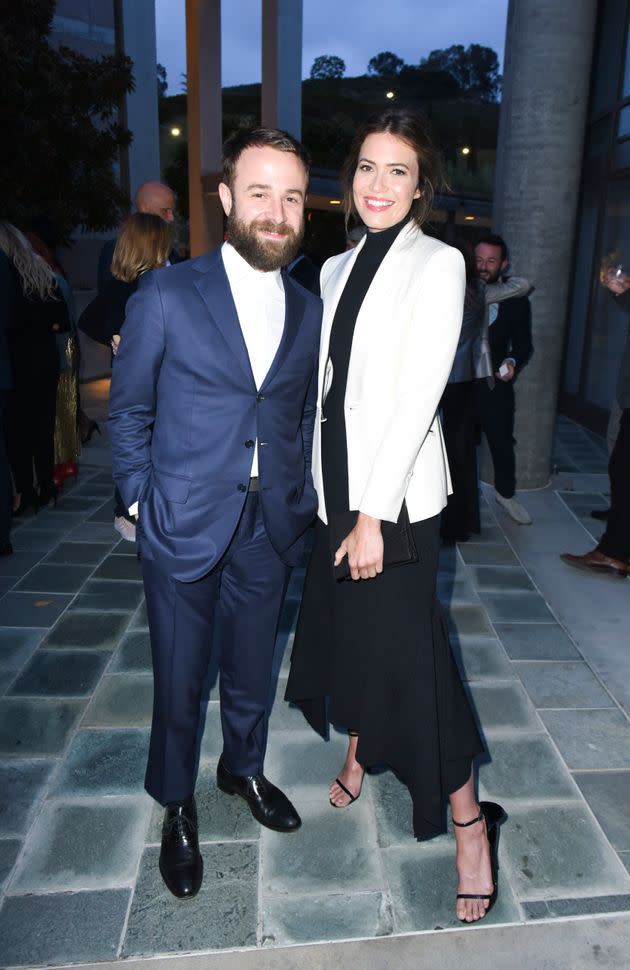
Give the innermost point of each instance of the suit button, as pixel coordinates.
(249, 443)
(242, 488)
(260, 397)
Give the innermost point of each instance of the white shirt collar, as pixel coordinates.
(240, 272)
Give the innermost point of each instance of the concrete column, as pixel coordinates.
(203, 72)
(281, 105)
(545, 93)
(138, 27)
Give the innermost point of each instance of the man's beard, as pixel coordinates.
(263, 254)
(490, 278)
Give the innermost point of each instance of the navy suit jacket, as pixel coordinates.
(185, 410)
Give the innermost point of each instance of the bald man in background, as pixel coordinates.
(152, 197)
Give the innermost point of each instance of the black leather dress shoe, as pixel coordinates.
(268, 804)
(181, 864)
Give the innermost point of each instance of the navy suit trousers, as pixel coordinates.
(243, 596)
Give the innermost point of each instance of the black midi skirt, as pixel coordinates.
(373, 656)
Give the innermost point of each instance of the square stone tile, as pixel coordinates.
(224, 913)
(575, 906)
(126, 548)
(55, 578)
(102, 852)
(491, 534)
(133, 653)
(536, 641)
(16, 646)
(9, 850)
(212, 739)
(527, 767)
(299, 863)
(21, 560)
(104, 762)
(608, 794)
(7, 583)
(80, 553)
(22, 787)
(32, 727)
(393, 809)
(465, 620)
(503, 708)
(105, 513)
(516, 607)
(308, 919)
(455, 589)
(101, 532)
(625, 858)
(109, 596)
(500, 578)
(558, 850)
(303, 765)
(562, 684)
(221, 817)
(87, 630)
(61, 928)
(481, 553)
(120, 567)
(140, 620)
(74, 501)
(121, 700)
(481, 658)
(32, 609)
(423, 884)
(590, 739)
(61, 673)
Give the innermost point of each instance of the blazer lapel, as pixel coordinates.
(214, 288)
(333, 290)
(294, 304)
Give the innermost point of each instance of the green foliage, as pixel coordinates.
(385, 64)
(162, 80)
(59, 116)
(327, 65)
(474, 68)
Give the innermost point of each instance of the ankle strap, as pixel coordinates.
(464, 825)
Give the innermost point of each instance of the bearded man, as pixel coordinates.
(212, 408)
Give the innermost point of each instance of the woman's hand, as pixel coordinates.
(364, 548)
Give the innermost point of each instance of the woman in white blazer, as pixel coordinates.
(372, 655)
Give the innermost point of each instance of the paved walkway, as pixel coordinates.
(544, 652)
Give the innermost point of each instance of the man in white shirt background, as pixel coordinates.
(211, 413)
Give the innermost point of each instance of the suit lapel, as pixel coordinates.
(294, 304)
(215, 291)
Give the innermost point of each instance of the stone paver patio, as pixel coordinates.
(542, 652)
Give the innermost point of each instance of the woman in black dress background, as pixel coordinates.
(372, 655)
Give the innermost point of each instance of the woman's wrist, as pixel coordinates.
(368, 522)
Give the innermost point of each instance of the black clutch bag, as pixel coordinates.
(399, 547)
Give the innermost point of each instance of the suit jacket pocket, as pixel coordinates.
(175, 488)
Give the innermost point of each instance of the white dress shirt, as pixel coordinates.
(259, 301)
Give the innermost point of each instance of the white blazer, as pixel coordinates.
(404, 343)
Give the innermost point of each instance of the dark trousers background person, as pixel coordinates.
(30, 426)
(495, 408)
(5, 481)
(615, 541)
(460, 518)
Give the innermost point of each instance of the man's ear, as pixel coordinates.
(225, 195)
(504, 265)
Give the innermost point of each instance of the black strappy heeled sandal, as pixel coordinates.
(494, 816)
(353, 798)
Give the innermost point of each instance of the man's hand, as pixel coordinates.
(506, 376)
(115, 343)
(364, 548)
(616, 284)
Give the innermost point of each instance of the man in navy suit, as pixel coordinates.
(212, 409)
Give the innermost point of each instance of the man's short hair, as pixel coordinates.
(244, 138)
(492, 239)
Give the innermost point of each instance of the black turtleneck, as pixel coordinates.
(334, 447)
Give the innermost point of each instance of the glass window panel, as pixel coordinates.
(609, 324)
(582, 282)
(626, 77)
(623, 126)
(598, 137)
(608, 57)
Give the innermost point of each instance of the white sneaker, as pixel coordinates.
(126, 528)
(514, 509)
